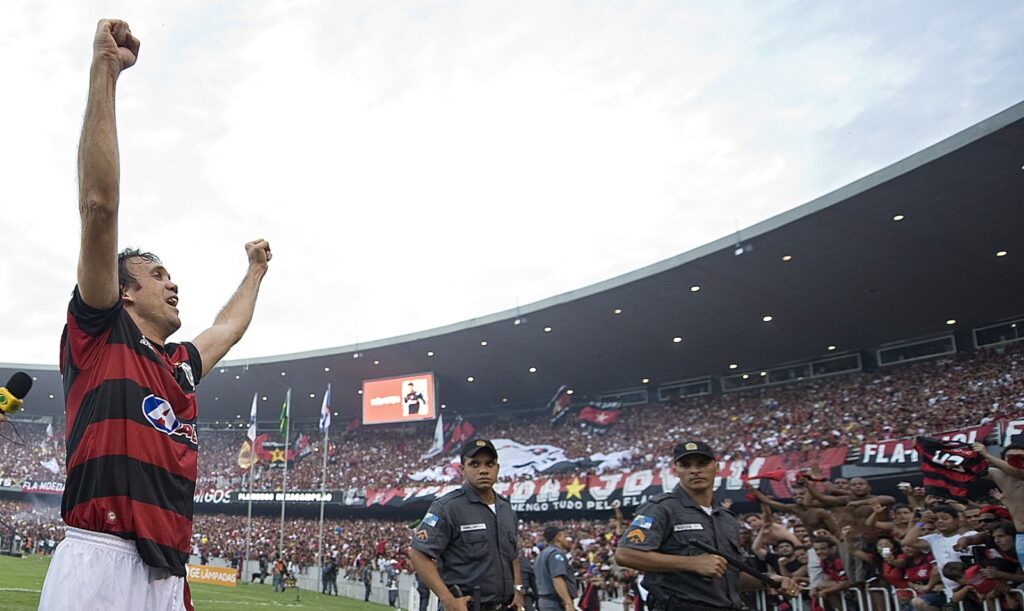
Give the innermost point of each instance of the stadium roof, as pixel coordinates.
(857, 278)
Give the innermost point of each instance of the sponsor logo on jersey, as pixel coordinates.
(160, 414)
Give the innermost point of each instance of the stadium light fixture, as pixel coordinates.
(470, 378)
(237, 377)
(569, 391)
(547, 329)
(617, 311)
(831, 348)
(443, 406)
(733, 365)
(787, 257)
(376, 362)
(312, 395)
(430, 353)
(677, 339)
(504, 399)
(764, 373)
(951, 322)
(746, 375)
(359, 392)
(51, 396)
(283, 374)
(238, 415)
(645, 381)
(898, 218)
(694, 288)
(483, 342)
(335, 413)
(533, 370)
(327, 369)
(264, 397)
(1001, 253)
(767, 318)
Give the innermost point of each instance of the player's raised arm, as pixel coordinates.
(99, 170)
(234, 318)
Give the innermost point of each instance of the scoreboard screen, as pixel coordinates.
(399, 399)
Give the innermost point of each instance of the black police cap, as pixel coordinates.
(475, 446)
(688, 448)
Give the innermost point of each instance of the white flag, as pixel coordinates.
(438, 446)
(252, 423)
(325, 411)
(49, 429)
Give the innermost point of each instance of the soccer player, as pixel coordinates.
(129, 393)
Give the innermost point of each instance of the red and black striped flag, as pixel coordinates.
(948, 467)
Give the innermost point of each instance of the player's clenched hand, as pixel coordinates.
(708, 565)
(114, 46)
(258, 252)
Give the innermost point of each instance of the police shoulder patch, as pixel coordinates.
(430, 519)
(642, 521)
(421, 535)
(636, 536)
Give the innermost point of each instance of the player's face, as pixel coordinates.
(480, 471)
(696, 472)
(784, 548)
(903, 515)
(155, 299)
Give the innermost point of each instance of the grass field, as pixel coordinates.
(21, 580)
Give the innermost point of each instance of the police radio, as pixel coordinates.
(11, 396)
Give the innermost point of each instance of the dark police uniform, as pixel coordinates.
(552, 563)
(473, 546)
(667, 524)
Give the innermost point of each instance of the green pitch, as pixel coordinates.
(21, 580)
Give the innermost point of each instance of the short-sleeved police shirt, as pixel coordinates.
(669, 523)
(552, 562)
(473, 545)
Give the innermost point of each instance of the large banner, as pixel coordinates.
(543, 493)
(622, 488)
(1010, 430)
(901, 453)
(216, 575)
(36, 486)
(410, 397)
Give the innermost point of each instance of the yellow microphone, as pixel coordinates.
(11, 395)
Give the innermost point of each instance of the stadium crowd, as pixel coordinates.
(900, 401)
(837, 538)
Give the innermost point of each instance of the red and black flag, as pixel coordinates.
(462, 431)
(949, 467)
(599, 417)
(560, 403)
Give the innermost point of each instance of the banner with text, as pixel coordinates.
(900, 453)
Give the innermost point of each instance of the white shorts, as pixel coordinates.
(92, 570)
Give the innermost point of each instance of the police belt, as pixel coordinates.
(678, 604)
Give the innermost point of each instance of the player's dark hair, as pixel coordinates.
(1007, 528)
(125, 278)
(946, 509)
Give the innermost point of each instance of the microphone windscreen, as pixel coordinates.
(19, 384)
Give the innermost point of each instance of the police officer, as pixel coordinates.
(556, 581)
(468, 540)
(678, 575)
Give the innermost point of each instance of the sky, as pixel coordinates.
(417, 164)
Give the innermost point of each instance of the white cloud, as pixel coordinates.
(483, 154)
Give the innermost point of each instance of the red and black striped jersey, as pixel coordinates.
(132, 446)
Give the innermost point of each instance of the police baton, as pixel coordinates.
(738, 564)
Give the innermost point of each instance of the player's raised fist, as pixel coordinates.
(114, 46)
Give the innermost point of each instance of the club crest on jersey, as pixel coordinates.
(159, 413)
